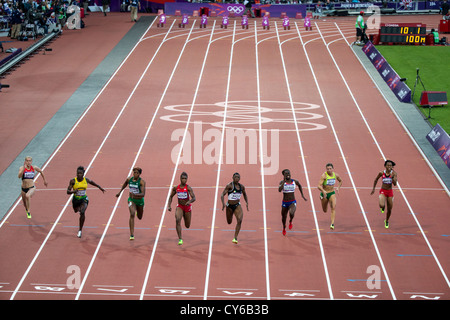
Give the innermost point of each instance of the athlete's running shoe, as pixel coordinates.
(235, 241)
(290, 226)
(386, 224)
(284, 231)
(180, 242)
(132, 237)
(382, 210)
(332, 226)
(79, 234)
(28, 215)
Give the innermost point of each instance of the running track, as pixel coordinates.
(308, 94)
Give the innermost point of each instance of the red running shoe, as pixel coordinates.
(284, 231)
(290, 225)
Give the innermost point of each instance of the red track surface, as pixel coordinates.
(52, 78)
(311, 262)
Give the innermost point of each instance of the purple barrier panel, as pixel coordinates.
(275, 10)
(220, 8)
(12, 55)
(440, 140)
(238, 9)
(399, 88)
(434, 5)
(153, 6)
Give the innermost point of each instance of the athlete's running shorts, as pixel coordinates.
(78, 202)
(187, 208)
(138, 202)
(329, 194)
(388, 193)
(233, 206)
(287, 204)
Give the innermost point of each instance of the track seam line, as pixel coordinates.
(87, 169)
(261, 156)
(382, 154)
(147, 275)
(137, 156)
(208, 266)
(322, 252)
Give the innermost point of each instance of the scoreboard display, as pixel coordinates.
(403, 33)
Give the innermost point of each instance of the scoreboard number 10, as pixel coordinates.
(405, 30)
(402, 33)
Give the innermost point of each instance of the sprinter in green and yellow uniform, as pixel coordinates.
(135, 198)
(77, 187)
(327, 191)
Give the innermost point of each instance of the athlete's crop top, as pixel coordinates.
(28, 173)
(80, 188)
(330, 180)
(289, 187)
(386, 179)
(183, 193)
(135, 186)
(235, 194)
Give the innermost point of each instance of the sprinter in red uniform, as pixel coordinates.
(386, 197)
(27, 173)
(185, 196)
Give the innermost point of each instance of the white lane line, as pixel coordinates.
(147, 275)
(87, 169)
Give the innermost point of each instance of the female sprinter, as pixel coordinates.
(135, 197)
(386, 197)
(289, 204)
(327, 191)
(234, 190)
(27, 173)
(185, 196)
(77, 187)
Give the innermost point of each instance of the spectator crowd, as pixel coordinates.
(17, 14)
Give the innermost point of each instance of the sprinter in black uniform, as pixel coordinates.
(234, 190)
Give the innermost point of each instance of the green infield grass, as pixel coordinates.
(434, 71)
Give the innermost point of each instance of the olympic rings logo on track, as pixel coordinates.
(235, 9)
(245, 115)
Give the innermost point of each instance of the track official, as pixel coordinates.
(359, 28)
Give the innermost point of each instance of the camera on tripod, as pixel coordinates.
(429, 98)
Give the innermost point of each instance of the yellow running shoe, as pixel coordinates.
(180, 242)
(235, 241)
